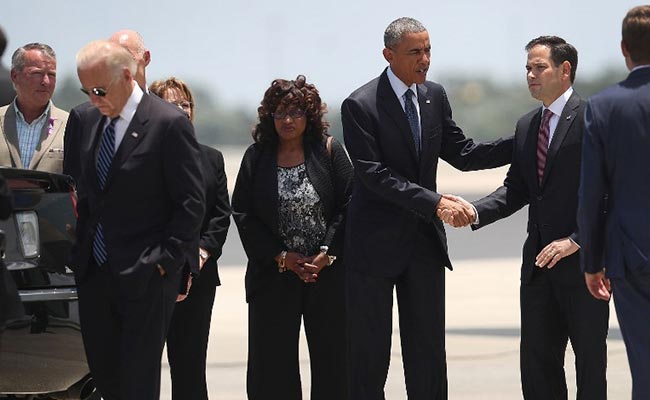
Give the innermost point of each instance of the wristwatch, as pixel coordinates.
(324, 249)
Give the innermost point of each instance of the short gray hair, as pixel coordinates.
(18, 58)
(114, 56)
(398, 28)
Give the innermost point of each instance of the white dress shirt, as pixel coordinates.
(126, 115)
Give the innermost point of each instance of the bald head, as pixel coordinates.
(134, 43)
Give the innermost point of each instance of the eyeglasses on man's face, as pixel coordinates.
(97, 91)
(294, 113)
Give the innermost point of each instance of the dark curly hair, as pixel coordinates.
(288, 94)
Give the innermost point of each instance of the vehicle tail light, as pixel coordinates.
(28, 229)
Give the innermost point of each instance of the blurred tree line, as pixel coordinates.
(483, 108)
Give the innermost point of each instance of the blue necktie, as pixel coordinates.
(412, 116)
(104, 160)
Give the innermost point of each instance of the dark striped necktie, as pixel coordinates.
(104, 160)
(542, 143)
(412, 116)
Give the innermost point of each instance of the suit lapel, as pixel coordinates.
(91, 151)
(426, 126)
(393, 108)
(267, 185)
(531, 146)
(133, 136)
(564, 124)
(11, 136)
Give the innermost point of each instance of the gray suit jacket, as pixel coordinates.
(49, 152)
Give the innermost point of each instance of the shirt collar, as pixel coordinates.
(558, 105)
(131, 103)
(21, 117)
(640, 67)
(398, 86)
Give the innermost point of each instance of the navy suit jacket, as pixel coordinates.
(554, 203)
(394, 192)
(614, 207)
(153, 203)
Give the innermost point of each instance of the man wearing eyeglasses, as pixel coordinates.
(140, 207)
(31, 126)
(134, 43)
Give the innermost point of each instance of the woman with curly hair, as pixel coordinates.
(289, 205)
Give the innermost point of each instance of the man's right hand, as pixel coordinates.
(455, 211)
(599, 286)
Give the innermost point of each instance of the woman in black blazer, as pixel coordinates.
(187, 340)
(289, 205)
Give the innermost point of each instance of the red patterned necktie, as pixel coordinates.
(542, 143)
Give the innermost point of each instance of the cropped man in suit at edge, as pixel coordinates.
(615, 232)
(545, 174)
(141, 205)
(134, 43)
(393, 236)
(31, 127)
(7, 91)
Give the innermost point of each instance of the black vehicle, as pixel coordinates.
(41, 349)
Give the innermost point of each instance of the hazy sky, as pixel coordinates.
(237, 47)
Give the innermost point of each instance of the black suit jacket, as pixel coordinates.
(216, 221)
(553, 205)
(394, 197)
(84, 113)
(7, 91)
(153, 203)
(255, 204)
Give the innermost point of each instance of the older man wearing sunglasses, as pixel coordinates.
(134, 43)
(140, 207)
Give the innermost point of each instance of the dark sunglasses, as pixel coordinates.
(97, 91)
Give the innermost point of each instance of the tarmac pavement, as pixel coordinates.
(482, 339)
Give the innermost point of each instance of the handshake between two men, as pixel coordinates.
(458, 212)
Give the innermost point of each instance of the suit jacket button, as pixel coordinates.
(539, 198)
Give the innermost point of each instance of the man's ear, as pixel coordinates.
(126, 74)
(624, 50)
(146, 57)
(388, 54)
(566, 69)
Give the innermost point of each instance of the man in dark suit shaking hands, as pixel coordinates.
(396, 127)
(545, 174)
(614, 208)
(140, 208)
